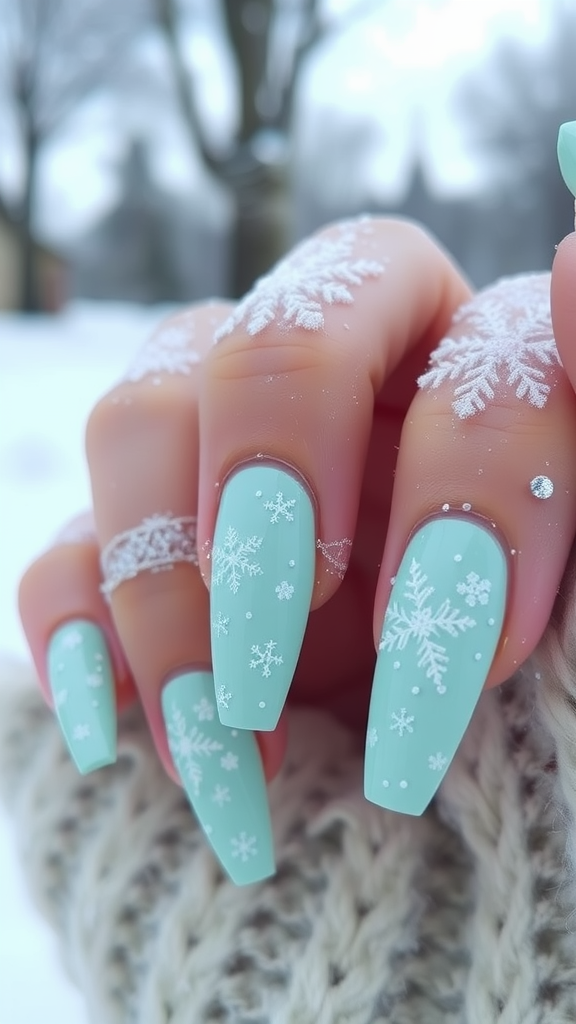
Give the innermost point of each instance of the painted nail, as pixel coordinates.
(440, 632)
(262, 576)
(82, 684)
(221, 771)
(567, 154)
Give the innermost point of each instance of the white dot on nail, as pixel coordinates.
(258, 494)
(446, 508)
(457, 558)
(466, 506)
(262, 704)
(490, 622)
(441, 689)
(248, 615)
(291, 563)
(415, 689)
(234, 732)
(477, 656)
(403, 784)
(396, 664)
(385, 783)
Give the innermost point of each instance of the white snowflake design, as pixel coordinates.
(72, 639)
(284, 591)
(321, 269)
(220, 624)
(420, 623)
(265, 658)
(475, 589)
(231, 561)
(188, 745)
(81, 731)
(244, 846)
(221, 795)
(437, 762)
(204, 710)
(94, 680)
(372, 737)
(508, 340)
(281, 506)
(167, 351)
(229, 762)
(223, 697)
(401, 722)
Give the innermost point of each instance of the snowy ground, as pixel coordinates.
(51, 372)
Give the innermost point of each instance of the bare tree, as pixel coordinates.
(269, 40)
(53, 54)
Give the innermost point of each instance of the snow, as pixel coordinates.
(52, 370)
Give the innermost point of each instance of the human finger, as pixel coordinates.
(287, 410)
(79, 661)
(481, 525)
(142, 446)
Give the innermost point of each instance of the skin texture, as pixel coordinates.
(340, 406)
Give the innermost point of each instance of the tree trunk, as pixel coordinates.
(29, 301)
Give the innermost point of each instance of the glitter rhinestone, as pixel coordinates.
(542, 487)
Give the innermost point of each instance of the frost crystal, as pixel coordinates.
(420, 623)
(284, 591)
(221, 795)
(320, 270)
(244, 846)
(507, 341)
(401, 722)
(437, 762)
(265, 658)
(188, 745)
(231, 561)
(281, 506)
(476, 590)
(167, 351)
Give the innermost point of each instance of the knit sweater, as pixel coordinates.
(463, 916)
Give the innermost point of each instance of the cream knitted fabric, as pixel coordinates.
(464, 915)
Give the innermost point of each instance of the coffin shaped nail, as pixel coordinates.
(221, 771)
(82, 684)
(439, 636)
(263, 562)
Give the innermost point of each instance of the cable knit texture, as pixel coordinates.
(463, 916)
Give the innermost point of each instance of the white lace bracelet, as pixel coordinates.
(155, 545)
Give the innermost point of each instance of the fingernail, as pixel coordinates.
(221, 771)
(82, 684)
(262, 576)
(439, 636)
(567, 154)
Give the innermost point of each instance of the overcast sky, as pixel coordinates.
(398, 68)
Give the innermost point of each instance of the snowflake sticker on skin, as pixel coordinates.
(508, 341)
(475, 589)
(418, 621)
(244, 846)
(231, 562)
(265, 658)
(401, 722)
(321, 270)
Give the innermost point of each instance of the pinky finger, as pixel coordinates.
(82, 671)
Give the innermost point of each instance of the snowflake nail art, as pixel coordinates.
(232, 560)
(506, 343)
(323, 270)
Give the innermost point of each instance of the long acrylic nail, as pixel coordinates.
(439, 636)
(82, 684)
(221, 771)
(262, 577)
(567, 154)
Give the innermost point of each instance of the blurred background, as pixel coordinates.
(156, 152)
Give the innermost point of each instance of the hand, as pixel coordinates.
(413, 520)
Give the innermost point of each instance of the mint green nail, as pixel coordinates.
(439, 636)
(567, 154)
(222, 775)
(82, 684)
(262, 576)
